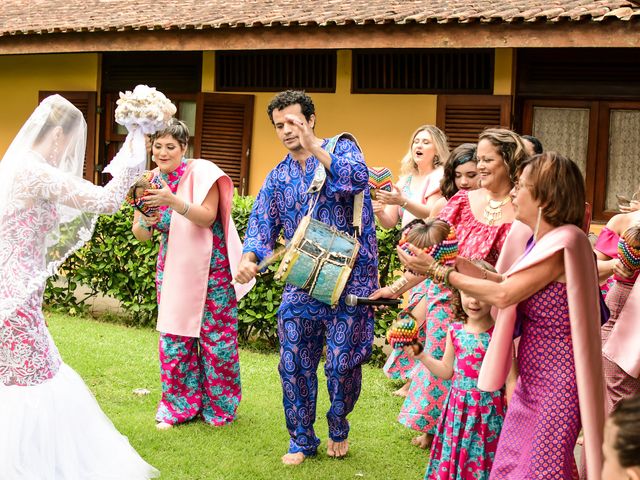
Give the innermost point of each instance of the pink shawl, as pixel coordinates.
(432, 183)
(623, 344)
(189, 248)
(582, 291)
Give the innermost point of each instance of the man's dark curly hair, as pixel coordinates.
(291, 97)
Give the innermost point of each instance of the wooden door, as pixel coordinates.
(602, 137)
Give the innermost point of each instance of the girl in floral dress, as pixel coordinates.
(467, 434)
(197, 314)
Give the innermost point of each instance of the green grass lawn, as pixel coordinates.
(114, 360)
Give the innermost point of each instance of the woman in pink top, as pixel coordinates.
(622, 381)
(197, 313)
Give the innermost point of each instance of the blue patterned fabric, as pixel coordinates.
(304, 322)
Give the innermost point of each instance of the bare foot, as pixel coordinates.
(337, 449)
(163, 426)
(423, 441)
(293, 458)
(403, 391)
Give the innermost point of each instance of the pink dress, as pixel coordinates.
(476, 240)
(543, 419)
(465, 443)
(620, 384)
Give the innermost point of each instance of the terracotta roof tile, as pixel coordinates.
(19, 17)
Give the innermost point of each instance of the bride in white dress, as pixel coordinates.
(51, 427)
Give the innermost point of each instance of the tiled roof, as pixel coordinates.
(24, 17)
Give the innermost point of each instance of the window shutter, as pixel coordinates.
(463, 117)
(169, 72)
(223, 134)
(86, 103)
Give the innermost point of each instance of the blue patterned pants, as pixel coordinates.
(349, 336)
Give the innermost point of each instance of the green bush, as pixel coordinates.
(257, 310)
(114, 263)
(388, 266)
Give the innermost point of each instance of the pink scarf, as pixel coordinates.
(582, 291)
(189, 248)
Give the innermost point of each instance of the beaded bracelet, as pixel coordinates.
(446, 276)
(440, 273)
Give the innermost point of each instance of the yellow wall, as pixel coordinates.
(383, 124)
(23, 76)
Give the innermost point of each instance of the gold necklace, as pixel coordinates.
(493, 210)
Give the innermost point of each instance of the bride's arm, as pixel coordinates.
(47, 182)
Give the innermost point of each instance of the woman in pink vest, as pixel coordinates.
(197, 304)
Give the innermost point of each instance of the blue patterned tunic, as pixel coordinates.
(283, 201)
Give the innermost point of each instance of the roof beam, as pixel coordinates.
(568, 34)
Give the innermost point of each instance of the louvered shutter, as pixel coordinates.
(223, 134)
(463, 117)
(86, 103)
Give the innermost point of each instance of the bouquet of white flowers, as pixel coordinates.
(143, 111)
(145, 107)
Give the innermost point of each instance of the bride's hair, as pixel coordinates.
(60, 115)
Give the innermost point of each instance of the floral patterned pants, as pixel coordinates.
(201, 375)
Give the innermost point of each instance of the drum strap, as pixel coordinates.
(320, 175)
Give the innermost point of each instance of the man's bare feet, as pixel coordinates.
(403, 391)
(337, 449)
(293, 458)
(423, 441)
(163, 426)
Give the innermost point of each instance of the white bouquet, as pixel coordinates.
(145, 107)
(143, 111)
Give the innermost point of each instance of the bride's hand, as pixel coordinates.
(161, 197)
(417, 260)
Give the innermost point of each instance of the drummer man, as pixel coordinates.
(304, 323)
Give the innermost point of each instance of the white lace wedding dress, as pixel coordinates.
(51, 427)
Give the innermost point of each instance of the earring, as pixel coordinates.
(53, 155)
(535, 232)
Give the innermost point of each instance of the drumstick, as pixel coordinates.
(266, 261)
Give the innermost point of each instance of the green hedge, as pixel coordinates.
(114, 263)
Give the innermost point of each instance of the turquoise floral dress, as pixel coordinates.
(201, 376)
(467, 435)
